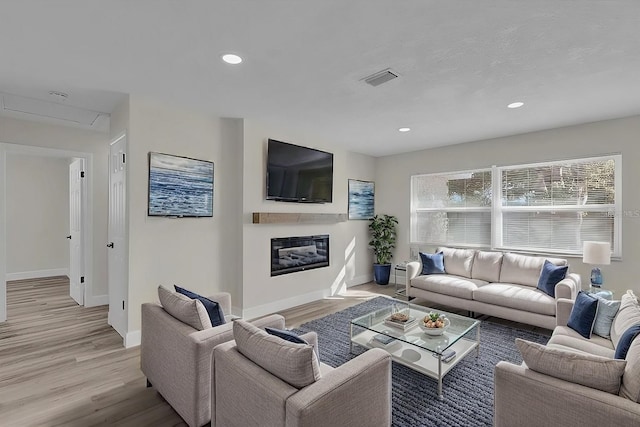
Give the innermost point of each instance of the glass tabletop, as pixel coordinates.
(378, 321)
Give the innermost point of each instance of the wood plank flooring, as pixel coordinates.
(63, 365)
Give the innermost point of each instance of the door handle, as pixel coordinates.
(69, 237)
(110, 245)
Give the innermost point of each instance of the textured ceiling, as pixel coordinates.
(460, 63)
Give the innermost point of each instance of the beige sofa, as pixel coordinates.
(526, 398)
(176, 358)
(262, 380)
(493, 283)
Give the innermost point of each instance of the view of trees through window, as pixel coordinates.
(551, 207)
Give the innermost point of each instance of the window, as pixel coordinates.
(452, 208)
(546, 207)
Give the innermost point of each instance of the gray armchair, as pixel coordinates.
(176, 358)
(244, 394)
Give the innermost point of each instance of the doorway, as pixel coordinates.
(38, 224)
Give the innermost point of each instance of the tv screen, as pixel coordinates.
(298, 174)
(180, 186)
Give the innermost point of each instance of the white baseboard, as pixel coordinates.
(38, 274)
(359, 280)
(133, 339)
(97, 300)
(274, 307)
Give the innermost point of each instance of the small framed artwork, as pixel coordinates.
(361, 199)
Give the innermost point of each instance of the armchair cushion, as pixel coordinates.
(214, 311)
(581, 368)
(295, 364)
(626, 340)
(185, 309)
(628, 315)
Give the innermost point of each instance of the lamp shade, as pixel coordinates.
(598, 253)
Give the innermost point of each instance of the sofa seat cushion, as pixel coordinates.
(518, 297)
(524, 269)
(567, 337)
(458, 262)
(448, 284)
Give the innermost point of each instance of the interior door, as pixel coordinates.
(117, 246)
(76, 274)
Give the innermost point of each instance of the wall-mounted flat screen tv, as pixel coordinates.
(298, 174)
(180, 186)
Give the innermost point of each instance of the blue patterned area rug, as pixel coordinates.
(468, 387)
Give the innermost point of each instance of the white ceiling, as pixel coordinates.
(460, 63)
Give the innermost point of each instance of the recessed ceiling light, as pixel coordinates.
(515, 105)
(404, 129)
(230, 58)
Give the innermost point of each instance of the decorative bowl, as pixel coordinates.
(435, 331)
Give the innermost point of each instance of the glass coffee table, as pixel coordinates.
(412, 346)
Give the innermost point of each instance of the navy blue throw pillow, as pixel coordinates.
(432, 263)
(213, 308)
(286, 335)
(625, 341)
(550, 275)
(583, 314)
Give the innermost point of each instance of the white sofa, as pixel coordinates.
(567, 394)
(494, 283)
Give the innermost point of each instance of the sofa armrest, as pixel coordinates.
(270, 321)
(414, 268)
(563, 311)
(355, 393)
(524, 398)
(568, 287)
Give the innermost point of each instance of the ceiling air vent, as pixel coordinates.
(380, 77)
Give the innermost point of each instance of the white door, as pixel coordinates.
(76, 273)
(117, 251)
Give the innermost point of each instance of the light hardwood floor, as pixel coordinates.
(62, 365)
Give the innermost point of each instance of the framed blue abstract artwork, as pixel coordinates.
(361, 199)
(180, 186)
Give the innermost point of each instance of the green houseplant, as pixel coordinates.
(383, 241)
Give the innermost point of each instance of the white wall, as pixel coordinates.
(37, 197)
(607, 137)
(28, 133)
(350, 259)
(168, 251)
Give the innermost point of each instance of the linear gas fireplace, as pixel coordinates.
(291, 254)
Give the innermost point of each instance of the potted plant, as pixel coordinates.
(383, 240)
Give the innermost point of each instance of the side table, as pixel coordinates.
(402, 268)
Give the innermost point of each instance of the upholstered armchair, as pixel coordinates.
(176, 357)
(263, 380)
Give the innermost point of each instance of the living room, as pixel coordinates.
(228, 252)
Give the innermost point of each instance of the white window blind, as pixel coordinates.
(548, 207)
(555, 206)
(452, 208)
